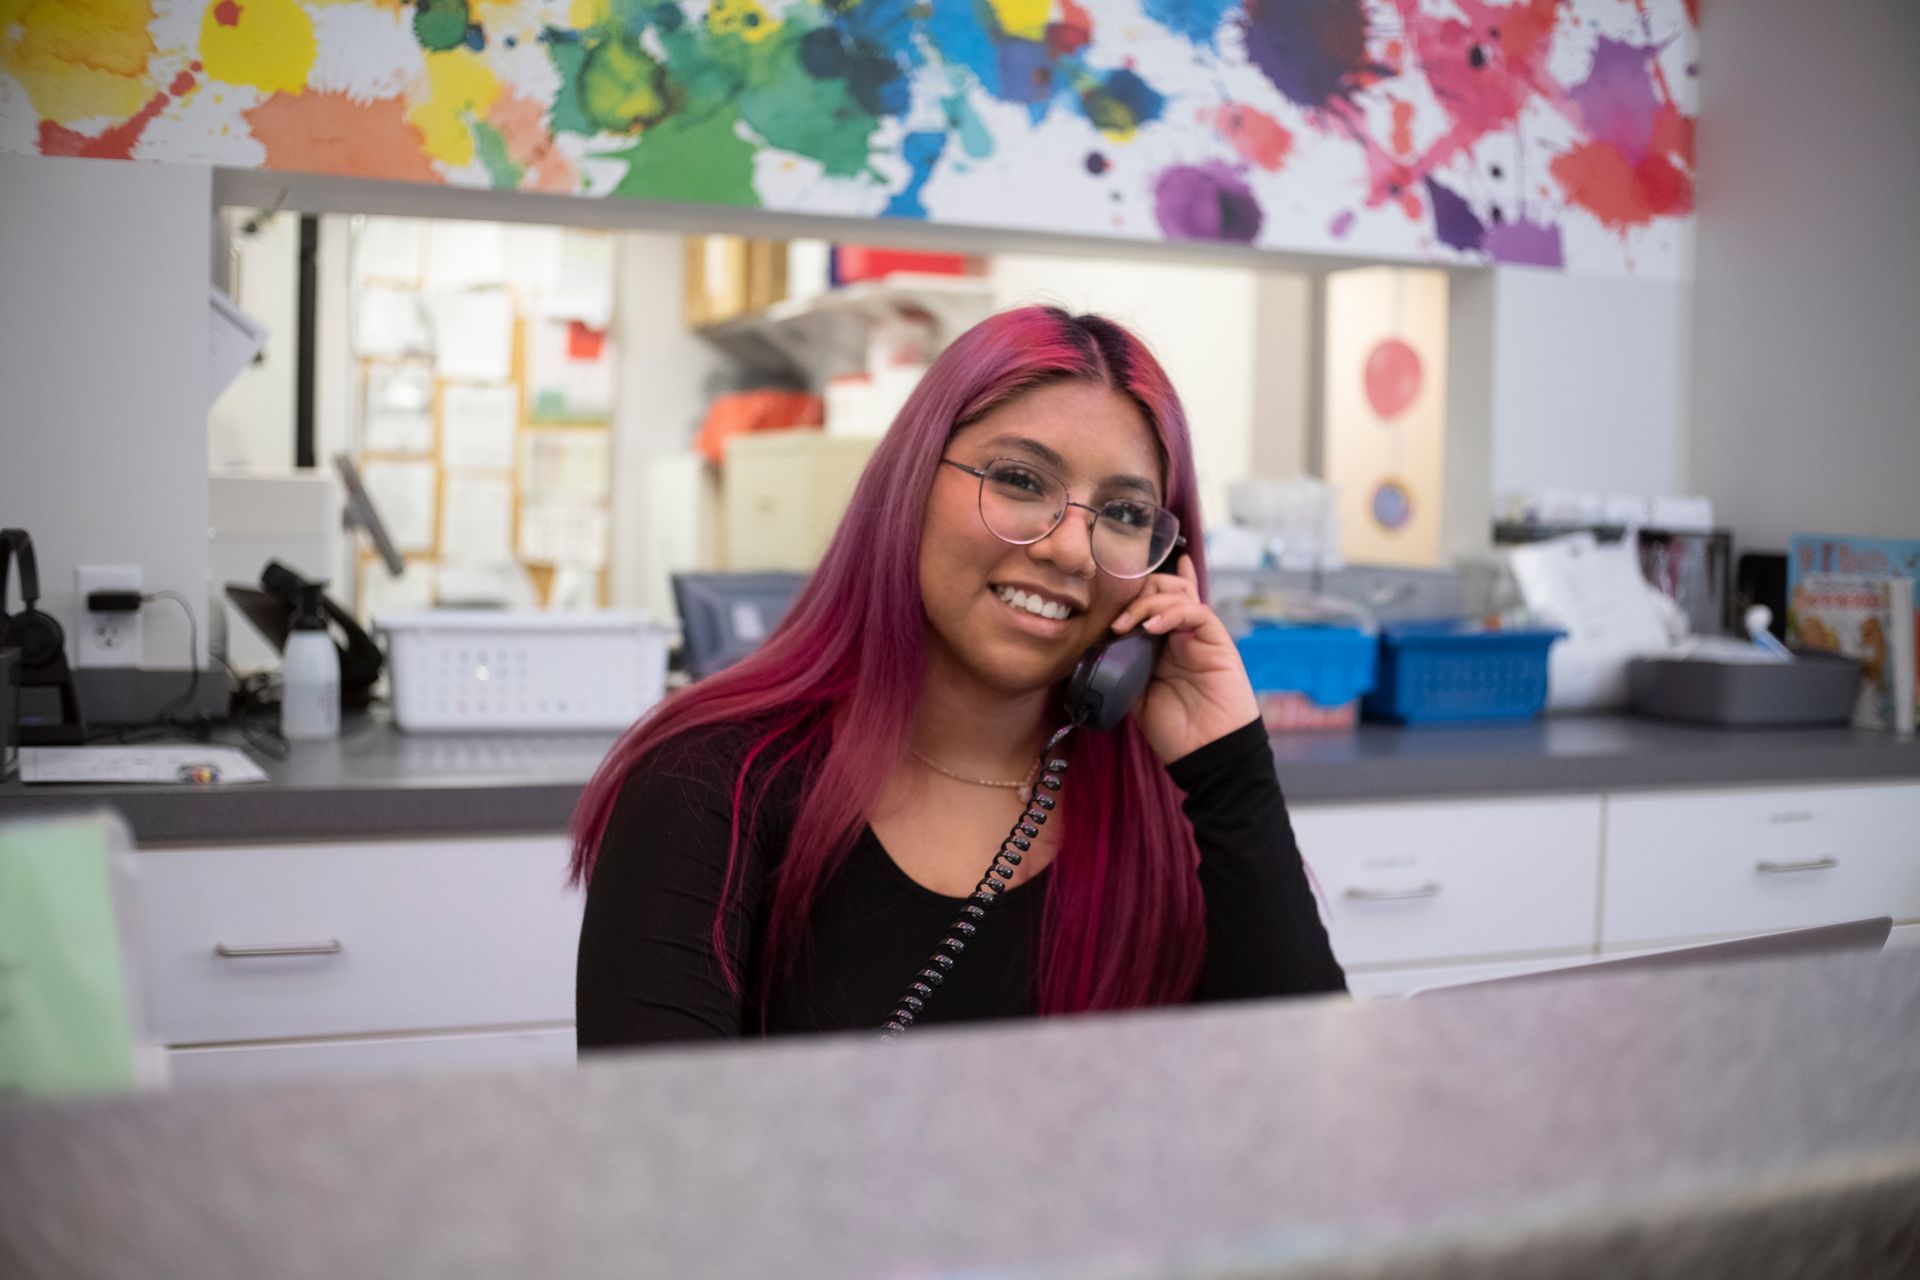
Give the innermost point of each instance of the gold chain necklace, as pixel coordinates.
(1025, 788)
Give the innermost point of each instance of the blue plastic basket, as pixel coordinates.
(1331, 665)
(1440, 671)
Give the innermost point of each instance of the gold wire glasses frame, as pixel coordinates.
(1015, 507)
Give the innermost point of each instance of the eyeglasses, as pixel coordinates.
(1022, 503)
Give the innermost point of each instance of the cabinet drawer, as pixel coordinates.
(291, 941)
(1735, 862)
(1418, 882)
(302, 1060)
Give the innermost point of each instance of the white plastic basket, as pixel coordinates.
(452, 669)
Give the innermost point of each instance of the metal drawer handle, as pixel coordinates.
(1359, 893)
(1776, 868)
(331, 947)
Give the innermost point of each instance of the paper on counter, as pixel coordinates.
(403, 494)
(398, 416)
(473, 334)
(1688, 512)
(137, 764)
(477, 425)
(1597, 595)
(564, 532)
(477, 524)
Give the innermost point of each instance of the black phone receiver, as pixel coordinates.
(1110, 679)
(271, 608)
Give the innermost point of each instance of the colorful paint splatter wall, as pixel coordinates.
(1551, 132)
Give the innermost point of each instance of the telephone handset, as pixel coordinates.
(1110, 679)
(1104, 686)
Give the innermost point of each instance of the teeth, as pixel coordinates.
(1033, 604)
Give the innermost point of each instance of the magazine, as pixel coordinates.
(1816, 553)
(1866, 618)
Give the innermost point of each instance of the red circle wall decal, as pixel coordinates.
(1393, 377)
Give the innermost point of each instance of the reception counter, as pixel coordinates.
(1755, 1120)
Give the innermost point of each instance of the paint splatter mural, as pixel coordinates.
(1551, 132)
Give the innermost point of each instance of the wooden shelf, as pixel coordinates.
(826, 334)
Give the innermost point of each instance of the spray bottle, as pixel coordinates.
(310, 671)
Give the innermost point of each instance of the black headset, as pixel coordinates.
(35, 634)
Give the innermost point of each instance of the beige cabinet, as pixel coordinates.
(784, 492)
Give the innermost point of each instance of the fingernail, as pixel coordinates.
(1120, 623)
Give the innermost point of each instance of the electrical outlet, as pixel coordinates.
(106, 639)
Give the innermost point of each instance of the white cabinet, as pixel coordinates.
(1723, 863)
(1429, 894)
(324, 958)
(1417, 884)
(249, 944)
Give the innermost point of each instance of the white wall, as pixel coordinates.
(660, 396)
(1807, 316)
(1198, 319)
(1466, 511)
(1285, 385)
(1589, 383)
(103, 377)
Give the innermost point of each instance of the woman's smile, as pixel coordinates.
(1036, 605)
(1035, 610)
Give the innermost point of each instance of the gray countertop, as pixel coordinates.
(376, 781)
(1753, 1120)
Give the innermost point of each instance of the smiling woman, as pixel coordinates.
(777, 848)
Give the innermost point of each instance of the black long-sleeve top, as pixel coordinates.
(647, 972)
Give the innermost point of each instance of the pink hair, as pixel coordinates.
(1123, 923)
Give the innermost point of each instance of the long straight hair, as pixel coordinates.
(833, 690)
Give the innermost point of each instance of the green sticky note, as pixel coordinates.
(64, 1006)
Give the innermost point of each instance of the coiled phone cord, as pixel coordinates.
(1025, 831)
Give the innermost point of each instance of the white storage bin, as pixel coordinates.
(484, 670)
